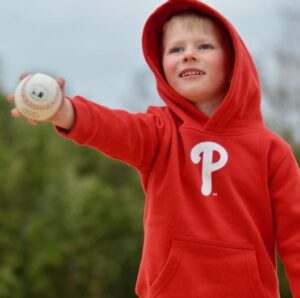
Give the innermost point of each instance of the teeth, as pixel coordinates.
(192, 73)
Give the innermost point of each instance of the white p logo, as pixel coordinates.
(206, 149)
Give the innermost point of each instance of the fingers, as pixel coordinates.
(23, 75)
(32, 122)
(15, 113)
(61, 82)
(11, 97)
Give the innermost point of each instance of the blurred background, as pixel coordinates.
(70, 224)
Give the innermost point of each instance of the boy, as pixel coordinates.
(222, 191)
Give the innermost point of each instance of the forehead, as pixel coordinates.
(202, 26)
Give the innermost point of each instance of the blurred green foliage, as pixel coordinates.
(70, 219)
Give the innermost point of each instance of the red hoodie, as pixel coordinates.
(222, 193)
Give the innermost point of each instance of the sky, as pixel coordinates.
(96, 45)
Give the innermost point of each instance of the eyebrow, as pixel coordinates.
(179, 41)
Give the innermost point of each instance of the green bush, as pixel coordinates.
(70, 223)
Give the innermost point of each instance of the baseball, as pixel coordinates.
(38, 96)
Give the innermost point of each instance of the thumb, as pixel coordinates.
(61, 82)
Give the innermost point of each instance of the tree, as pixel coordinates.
(280, 77)
(66, 230)
(281, 87)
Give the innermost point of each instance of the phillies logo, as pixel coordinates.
(205, 151)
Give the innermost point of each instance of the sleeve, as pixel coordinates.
(130, 138)
(285, 193)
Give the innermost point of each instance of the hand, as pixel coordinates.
(64, 117)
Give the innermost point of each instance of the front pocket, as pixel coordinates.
(210, 269)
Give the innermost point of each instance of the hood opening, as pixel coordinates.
(241, 105)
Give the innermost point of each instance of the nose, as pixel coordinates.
(189, 55)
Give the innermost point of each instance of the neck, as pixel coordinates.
(209, 107)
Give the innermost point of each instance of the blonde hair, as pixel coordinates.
(188, 18)
(191, 19)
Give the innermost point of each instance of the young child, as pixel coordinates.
(222, 191)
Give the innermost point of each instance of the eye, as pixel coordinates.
(175, 50)
(205, 46)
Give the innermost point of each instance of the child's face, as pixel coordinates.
(196, 61)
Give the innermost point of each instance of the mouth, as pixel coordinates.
(191, 73)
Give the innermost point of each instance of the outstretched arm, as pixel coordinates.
(131, 138)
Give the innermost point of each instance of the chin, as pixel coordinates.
(194, 99)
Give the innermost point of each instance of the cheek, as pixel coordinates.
(169, 67)
(219, 66)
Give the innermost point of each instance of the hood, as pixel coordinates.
(241, 106)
